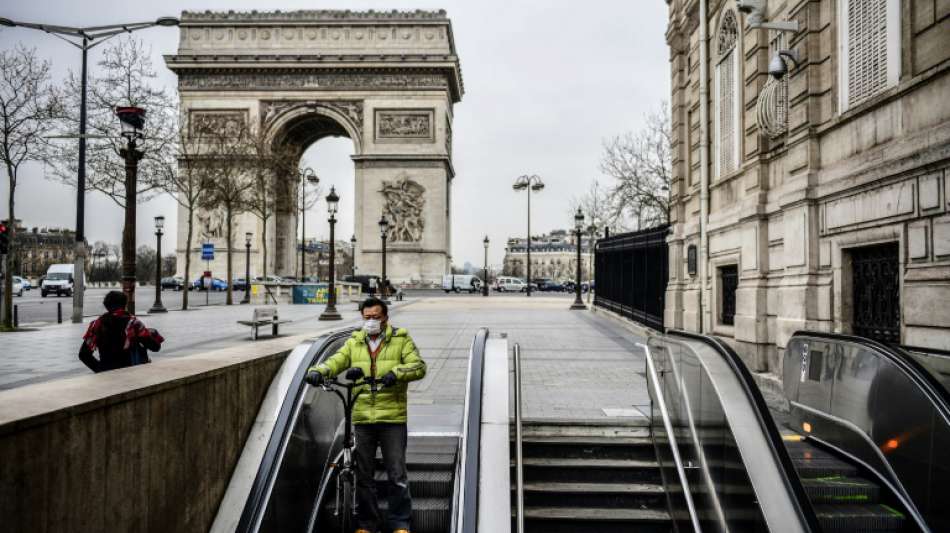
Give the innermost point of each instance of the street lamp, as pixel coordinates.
(85, 39)
(157, 307)
(307, 175)
(248, 237)
(485, 284)
(579, 232)
(353, 254)
(383, 230)
(531, 184)
(331, 313)
(592, 231)
(132, 121)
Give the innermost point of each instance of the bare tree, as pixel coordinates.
(126, 78)
(598, 204)
(641, 165)
(28, 105)
(305, 198)
(188, 178)
(273, 172)
(228, 180)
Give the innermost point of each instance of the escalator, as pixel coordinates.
(285, 478)
(866, 446)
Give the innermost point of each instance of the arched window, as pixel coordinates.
(727, 95)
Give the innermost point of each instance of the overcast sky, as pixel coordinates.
(545, 81)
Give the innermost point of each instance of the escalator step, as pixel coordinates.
(429, 515)
(424, 461)
(841, 489)
(422, 483)
(859, 518)
(811, 462)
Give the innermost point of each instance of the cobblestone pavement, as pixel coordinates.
(575, 365)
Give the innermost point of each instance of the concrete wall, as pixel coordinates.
(148, 448)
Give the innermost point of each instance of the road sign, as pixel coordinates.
(207, 251)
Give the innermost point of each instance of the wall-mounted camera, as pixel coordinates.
(755, 16)
(778, 68)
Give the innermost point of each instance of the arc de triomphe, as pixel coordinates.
(386, 80)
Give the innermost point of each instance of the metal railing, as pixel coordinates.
(671, 436)
(631, 270)
(519, 470)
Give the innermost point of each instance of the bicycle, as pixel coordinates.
(345, 508)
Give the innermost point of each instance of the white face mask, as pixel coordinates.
(372, 326)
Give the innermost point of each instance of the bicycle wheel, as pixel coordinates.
(347, 509)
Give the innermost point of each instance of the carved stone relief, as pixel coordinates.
(289, 79)
(228, 121)
(352, 109)
(404, 124)
(404, 203)
(212, 225)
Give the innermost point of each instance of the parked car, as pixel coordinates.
(217, 284)
(461, 282)
(17, 286)
(551, 286)
(239, 284)
(507, 284)
(269, 279)
(24, 282)
(175, 283)
(59, 280)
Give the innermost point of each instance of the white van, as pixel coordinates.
(58, 280)
(506, 284)
(463, 282)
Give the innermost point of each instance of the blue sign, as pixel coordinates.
(207, 251)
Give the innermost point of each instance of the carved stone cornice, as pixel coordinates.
(324, 15)
(291, 79)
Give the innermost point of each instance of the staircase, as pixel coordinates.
(582, 478)
(431, 465)
(843, 499)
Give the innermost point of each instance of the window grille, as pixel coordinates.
(870, 48)
(727, 115)
(729, 282)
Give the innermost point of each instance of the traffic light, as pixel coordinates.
(4, 239)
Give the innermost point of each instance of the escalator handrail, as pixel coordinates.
(654, 378)
(790, 478)
(465, 512)
(269, 463)
(934, 390)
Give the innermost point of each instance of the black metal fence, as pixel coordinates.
(631, 271)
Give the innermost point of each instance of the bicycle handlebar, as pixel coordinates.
(375, 384)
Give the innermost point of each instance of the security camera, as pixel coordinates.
(778, 69)
(753, 8)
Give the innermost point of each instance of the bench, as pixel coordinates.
(263, 316)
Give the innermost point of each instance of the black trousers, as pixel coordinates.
(392, 439)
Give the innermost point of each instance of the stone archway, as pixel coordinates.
(386, 80)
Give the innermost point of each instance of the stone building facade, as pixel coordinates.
(553, 256)
(38, 248)
(818, 200)
(387, 80)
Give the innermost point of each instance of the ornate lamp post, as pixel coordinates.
(132, 120)
(85, 39)
(592, 231)
(579, 232)
(531, 184)
(247, 267)
(307, 175)
(353, 254)
(331, 313)
(485, 284)
(157, 307)
(383, 230)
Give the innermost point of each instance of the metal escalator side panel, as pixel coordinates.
(879, 406)
(271, 474)
(465, 498)
(723, 426)
(494, 503)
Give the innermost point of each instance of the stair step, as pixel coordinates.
(571, 462)
(848, 518)
(591, 440)
(574, 470)
(595, 514)
(841, 489)
(599, 488)
(594, 495)
(551, 430)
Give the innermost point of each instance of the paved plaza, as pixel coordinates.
(575, 365)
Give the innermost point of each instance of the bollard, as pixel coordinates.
(16, 316)
(59, 312)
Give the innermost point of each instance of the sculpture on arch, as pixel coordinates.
(404, 203)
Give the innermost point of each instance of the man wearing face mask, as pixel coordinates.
(382, 352)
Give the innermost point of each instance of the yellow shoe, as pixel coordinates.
(362, 531)
(401, 531)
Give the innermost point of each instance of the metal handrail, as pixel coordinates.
(465, 515)
(668, 425)
(519, 471)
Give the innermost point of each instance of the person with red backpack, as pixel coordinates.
(119, 338)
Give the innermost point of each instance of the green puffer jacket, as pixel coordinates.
(398, 354)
